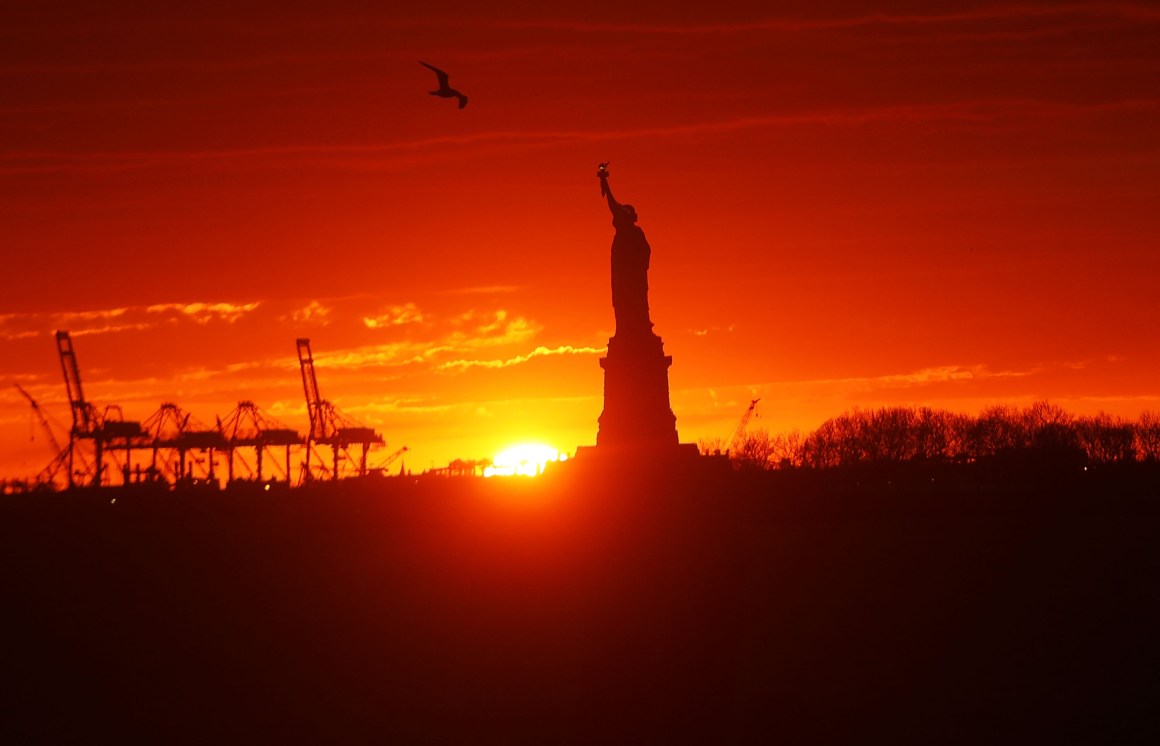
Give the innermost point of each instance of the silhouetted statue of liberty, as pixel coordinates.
(630, 260)
(636, 412)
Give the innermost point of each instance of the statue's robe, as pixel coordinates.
(630, 259)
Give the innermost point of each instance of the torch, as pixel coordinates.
(602, 174)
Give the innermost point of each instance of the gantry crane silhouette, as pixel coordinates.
(328, 425)
(107, 430)
(249, 427)
(172, 434)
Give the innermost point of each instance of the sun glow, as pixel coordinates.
(526, 460)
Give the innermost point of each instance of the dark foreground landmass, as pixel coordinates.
(696, 606)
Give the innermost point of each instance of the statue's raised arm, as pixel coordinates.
(605, 191)
(619, 211)
(630, 260)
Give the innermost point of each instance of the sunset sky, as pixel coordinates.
(849, 204)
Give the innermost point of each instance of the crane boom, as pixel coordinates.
(310, 387)
(741, 425)
(56, 447)
(82, 412)
(393, 457)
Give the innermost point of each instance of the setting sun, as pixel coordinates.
(526, 460)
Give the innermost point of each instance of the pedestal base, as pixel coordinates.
(636, 395)
(665, 455)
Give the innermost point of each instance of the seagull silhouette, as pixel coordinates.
(445, 90)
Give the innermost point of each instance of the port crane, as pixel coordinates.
(107, 430)
(740, 431)
(171, 434)
(328, 425)
(382, 468)
(49, 473)
(36, 410)
(248, 427)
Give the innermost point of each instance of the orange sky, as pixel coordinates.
(847, 207)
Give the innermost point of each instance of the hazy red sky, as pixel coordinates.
(849, 205)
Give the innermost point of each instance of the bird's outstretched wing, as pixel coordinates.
(462, 99)
(443, 79)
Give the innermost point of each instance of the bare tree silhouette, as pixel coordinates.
(1106, 439)
(1042, 433)
(1147, 432)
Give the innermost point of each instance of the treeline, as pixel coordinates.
(908, 434)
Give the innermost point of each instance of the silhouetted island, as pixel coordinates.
(585, 606)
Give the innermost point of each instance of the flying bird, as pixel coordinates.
(445, 89)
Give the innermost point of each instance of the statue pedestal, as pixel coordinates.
(636, 394)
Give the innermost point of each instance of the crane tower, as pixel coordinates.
(328, 425)
(106, 431)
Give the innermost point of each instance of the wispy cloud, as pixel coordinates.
(109, 329)
(917, 378)
(712, 330)
(313, 312)
(404, 337)
(1136, 12)
(384, 355)
(483, 290)
(361, 156)
(379, 156)
(458, 334)
(398, 315)
(198, 64)
(203, 313)
(427, 405)
(13, 335)
(110, 320)
(411, 405)
(459, 365)
(475, 329)
(919, 382)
